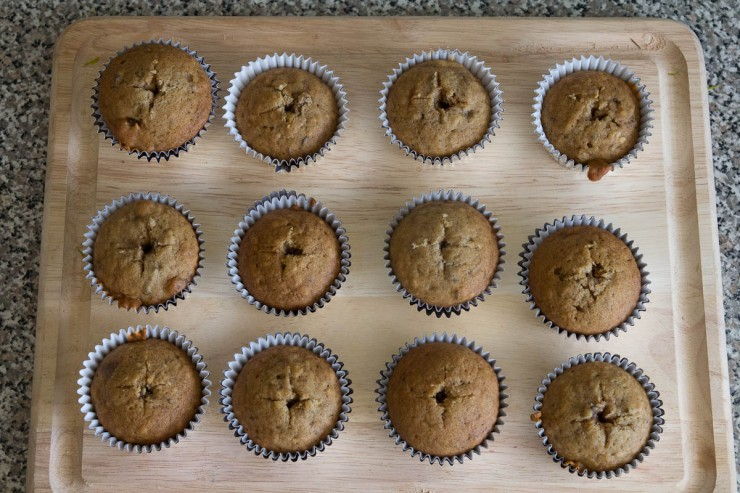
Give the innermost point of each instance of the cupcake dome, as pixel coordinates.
(443, 399)
(438, 108)
(596, 416)
(146, 391)
(592, 117)
(444, 252)
(145, 253)
(289, 258)
(154, 97)
(286, 113)
(287, 398)
(584, 279)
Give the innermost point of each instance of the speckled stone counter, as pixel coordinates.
(29, 28)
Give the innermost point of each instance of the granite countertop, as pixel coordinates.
(29, 29)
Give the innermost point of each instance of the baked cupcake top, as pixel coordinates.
(287, 398)
(286, 113)
(584, 279)
(597, 416)
(289, 258)
(444, 252)
(443, 399)
(154, 97)
(592, 117)
(145, 253)
(145, 392)
(438, 108)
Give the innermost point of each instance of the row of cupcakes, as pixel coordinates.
(287, 397)
(444, 250)
(155, 98)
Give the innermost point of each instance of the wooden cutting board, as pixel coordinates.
(664, 200)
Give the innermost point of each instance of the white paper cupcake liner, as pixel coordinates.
(158, 155)
(88, 245)
(253, 69)
(439, 196)
(385, 376)
(283, 339)
(653, 395)
(284, 199)
(539, 236)
(122, 337)
(478, 68)
(602, 65)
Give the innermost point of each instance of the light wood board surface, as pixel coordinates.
(664, 200)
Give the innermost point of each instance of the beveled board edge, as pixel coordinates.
(59, 250)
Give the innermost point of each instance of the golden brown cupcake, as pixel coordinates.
(584, 279)
(287, 398)
(145, 392)
(145, 253)
(444, 252)
(286, 113)
(154, 97)
(289, 258)
(596, 416)
(438, 108)
(593, 118)
(443, 399)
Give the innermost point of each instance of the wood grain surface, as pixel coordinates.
(664, 200)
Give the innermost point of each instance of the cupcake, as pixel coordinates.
(143, 388)
(442, 398)
(584, 279)
(444, 252)
(143, 251)
(598, 415)
(286, 110)
(441, 105)
(592, 112)
(286, 113)
(286, 397)
(289, 255)
(155, 98)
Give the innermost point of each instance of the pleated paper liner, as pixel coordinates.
(158, 155)
(440, 196)
(653, 396)
(122, 337)
(283, 200)
(539, 236)
(478, 69)
(88, 245)
(602, 65)
(251, 70)
(284, 339)
(385, 376)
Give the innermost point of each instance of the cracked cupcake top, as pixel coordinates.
(592, 117)
(444, 252)
(286, 113)
(145, 253)
(584, 279)
(154, 97)
(287, 398)
(289, 258)
(597, 416)
(438, 108)
(443, 398)
(145, 392)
